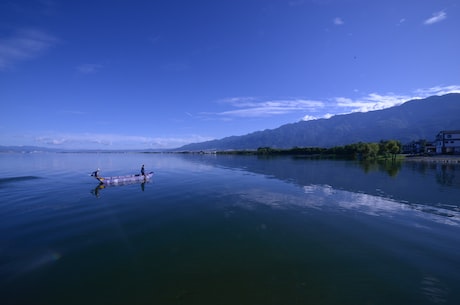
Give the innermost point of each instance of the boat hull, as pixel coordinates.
(124, 179)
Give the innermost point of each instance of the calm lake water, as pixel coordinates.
(227, 230)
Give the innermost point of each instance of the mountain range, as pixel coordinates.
(410, 121)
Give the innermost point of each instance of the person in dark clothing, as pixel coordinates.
(95, 173)
(143, 171)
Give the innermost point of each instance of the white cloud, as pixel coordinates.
(438, 90)
(375, 101)
(437, 17)
(114, 141)
(24, 45)
(247, 107)
(371, 102)
(338, 21)
(252, 107)
(311, 117)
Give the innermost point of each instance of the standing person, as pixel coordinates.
(95, 173)
(143, 171)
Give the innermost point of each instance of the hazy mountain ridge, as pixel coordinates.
(26, 149)
(413, 120)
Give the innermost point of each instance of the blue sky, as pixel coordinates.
(163, 73)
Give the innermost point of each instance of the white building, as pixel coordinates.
(448, 142)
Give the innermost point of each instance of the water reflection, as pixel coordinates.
(391, 168)
(97, 190)
(409, 183)
(375, 205)
(215, 226)
(445, 175)
(306, 171)
(434, 290)
(327, 198)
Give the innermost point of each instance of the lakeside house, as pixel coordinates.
(419, 147)
(448, 142)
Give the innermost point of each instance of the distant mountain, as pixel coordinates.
(413, 120)
(36, 149)
(26, 149)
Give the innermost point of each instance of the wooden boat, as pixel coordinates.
(123, 179)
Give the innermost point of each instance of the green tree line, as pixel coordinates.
(387, 149)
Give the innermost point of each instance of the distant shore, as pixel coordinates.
(434, 159)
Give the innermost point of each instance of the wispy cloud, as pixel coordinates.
(371, 102)
(114, 141)
(244, 108)
(338, 21)
(23, 45)
(89, 68)
(251, 107)
(254, 107)
(375, 101)
(437, 90)
(437, 17)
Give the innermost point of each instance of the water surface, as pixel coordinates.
(227, 230)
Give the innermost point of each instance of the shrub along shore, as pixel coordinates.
(384, 150)
(360, 151)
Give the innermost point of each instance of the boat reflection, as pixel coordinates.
(97, 190)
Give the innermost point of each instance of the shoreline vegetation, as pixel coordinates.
(382, 151)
